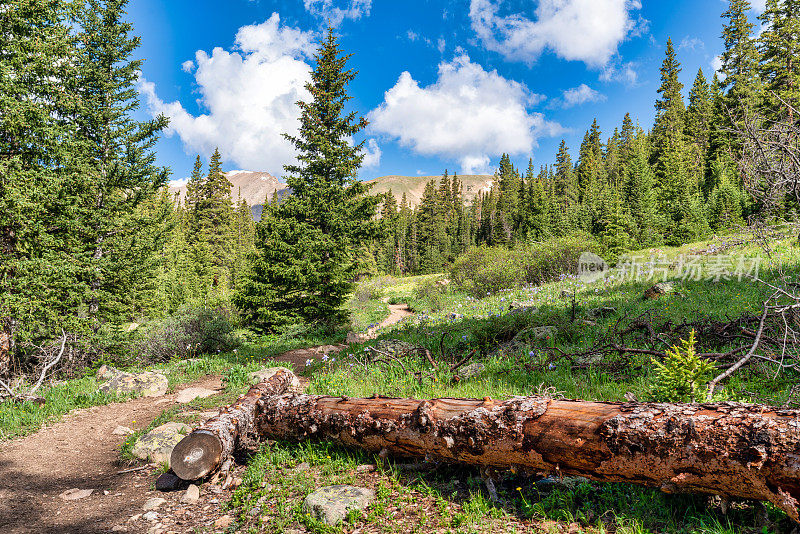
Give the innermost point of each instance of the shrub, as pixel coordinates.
(371, 289)
(190, 331)
(432, 294)
(481, 270)
(681, 374)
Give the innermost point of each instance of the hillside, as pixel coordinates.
(414, 186)
(256, 186)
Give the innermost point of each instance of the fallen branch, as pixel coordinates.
(729, 449)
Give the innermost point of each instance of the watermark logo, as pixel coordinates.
(591, 267)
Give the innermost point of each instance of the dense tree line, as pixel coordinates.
(672, 184)
(81, 213)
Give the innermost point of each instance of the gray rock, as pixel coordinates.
(75, 494)
(150, 516)
(169, 482)
(156, 446)
(527, 305)
(190, 394)
(331, 504)
(541, 332)
(660, 289)
(153, 503)
(148, 384)
(267, 373)
(602, 311)
(471, 371)
(191, 495)
(393, 346)
(122, 431)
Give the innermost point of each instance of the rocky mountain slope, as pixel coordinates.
(257, 187)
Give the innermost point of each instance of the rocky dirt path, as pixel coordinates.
(80, 451)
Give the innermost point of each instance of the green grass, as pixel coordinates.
(523, 369)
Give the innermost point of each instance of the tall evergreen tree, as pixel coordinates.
(306, 243)
(739, 68)
(119, 175)
(780, 54)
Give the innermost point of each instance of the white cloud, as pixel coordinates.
(333, 14)
(468, 114)
(691, 43)
(372, 154)
(440, 45)
(716, 64)
(617, 71)
(249, 95)
(581, 95)
(581, 30)
(187, 66)
(412, 36)
(759, 6)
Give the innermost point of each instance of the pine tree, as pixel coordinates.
(739, 58)
(119, 177)
(565, 192)
(699, 115)
(39, 290)
(307, 243)
(668, 130)
(779, 46)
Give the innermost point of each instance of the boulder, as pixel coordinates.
(541, 332)
(156, 446)
(169, 482)
(191, 495)
(660, 289)
(147, 384)
(393, 346)
(471, 371)
(190, 394)
(153, 503)
(602, 311)
(331, 504)
(268, 372)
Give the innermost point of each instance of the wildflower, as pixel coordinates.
(532, 353)
(551, 366)
(333, 360)
(324, 357)
(519, 488)
(309, 362)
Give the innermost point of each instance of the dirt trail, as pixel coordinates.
(80, 451)
(397, 312)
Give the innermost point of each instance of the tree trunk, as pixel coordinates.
(729, 449)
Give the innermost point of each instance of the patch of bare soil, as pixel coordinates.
(397, 312)
(81, 452)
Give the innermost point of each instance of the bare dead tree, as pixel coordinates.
(49, 359)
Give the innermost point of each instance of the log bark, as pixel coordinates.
(729, 449)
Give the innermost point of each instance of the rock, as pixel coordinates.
(74, 494)
(358, 337)
(525, 305)
(305, 466)
(150, 516)
(169, 482)
(602, 311)
(330, 504)
(327, 349)
(190, 394)
(365, 468)
(119, 528)
(122, 431)
(223, 522)
(148, 384)
(541, 332)
(471, 371)
(156, 446)
(191, 495)
(153, 503)
(135, 517)
(660, 289)
(267, 373)
(453, 316)
(393, 346)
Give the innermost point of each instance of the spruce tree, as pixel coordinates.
(308, 243)
(118, 174)
(739, 68)
(779, 46)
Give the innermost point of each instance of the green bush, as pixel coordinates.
(371, 289)
(679, 378)
(481, 270)
(431, 294)
(189, 332)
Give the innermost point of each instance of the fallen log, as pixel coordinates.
(729, 449)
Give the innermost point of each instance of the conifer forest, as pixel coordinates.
(547, 335)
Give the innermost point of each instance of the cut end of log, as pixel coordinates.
(196, 455)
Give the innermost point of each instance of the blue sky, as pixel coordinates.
(446, 84)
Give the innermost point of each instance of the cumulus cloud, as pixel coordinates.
(248, 95)
(691, 43)
(334, 12)
(618, 71)
(580, 30)
(759, 6)
(187, 66)
(581, 95)
(468, 114)
(372, 154)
